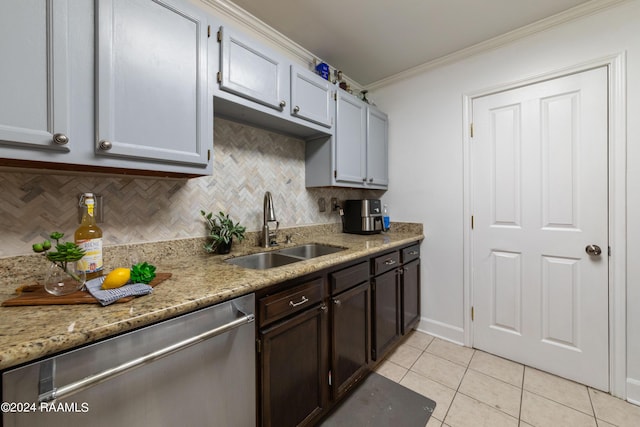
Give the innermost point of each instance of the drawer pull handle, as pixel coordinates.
(414, 253)
(390, 262)
(302, 301)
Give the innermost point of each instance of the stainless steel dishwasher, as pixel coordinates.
(194, 370)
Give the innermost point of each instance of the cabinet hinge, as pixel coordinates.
(471, 130)
(329, 378)
(335, 96)
(472, 224)
(609, 250)
(208, 31)
(335, 173)
(219, 76)
(208, 155)
(472, 313)
(219, 35)
(258, 346)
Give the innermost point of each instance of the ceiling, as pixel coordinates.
(370, 40)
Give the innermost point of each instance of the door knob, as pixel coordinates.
(593, 250)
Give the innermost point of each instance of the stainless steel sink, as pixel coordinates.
(312, 250)
(263, 260)
(271, 259)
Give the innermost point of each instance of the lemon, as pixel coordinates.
(115, 279)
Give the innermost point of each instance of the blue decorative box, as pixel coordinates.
(323, 70)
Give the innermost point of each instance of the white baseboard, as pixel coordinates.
(633, 391)
(442, 330)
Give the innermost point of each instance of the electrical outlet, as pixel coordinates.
(334, 204)
(322, 204)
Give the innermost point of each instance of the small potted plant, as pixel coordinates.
(63, 275)
(222, 230)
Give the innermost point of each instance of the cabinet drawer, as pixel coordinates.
(290, 301)
(410, 253)
(348, 277)
(386, 262)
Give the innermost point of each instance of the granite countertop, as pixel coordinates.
(198, 280)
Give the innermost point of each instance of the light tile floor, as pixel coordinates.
(472, 388)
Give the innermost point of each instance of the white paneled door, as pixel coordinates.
(539, 201)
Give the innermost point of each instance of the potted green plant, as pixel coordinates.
(221, 230)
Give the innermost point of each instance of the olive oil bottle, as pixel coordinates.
(89, 237)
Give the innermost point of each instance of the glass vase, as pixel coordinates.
(62, 282)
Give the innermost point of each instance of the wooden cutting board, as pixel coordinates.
(36, 295)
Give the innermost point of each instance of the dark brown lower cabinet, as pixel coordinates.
(410, 290)
(350, 337)
(319, 335)
(294, 369)
(385, 316)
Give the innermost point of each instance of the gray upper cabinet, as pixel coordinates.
(34, 90)
(250, 71)
(350, 140)
(151, 77)
(311, 96)
(377, 147)
(257, 85)
(357, 154)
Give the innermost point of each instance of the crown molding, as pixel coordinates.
(579, 11)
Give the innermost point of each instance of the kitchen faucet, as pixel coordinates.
(268, 236)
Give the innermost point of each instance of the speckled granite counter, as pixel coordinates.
(198, 280)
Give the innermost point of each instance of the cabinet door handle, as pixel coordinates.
(337, 302)
(60, 138)
(296, 109)
(389, 262)
(283, 104)
(323, 308)
(105, 145)
(302, 301)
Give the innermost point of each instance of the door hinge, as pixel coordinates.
(258, 346)
(471, 130)
(472, 313)
(208, 31)
(219, 36)
(472, 222)
(219, 76)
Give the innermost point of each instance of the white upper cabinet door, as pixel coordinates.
(350, 140)
(249, 70)
(34, 93)
(151, 99)
(377, 148)
(310, 96)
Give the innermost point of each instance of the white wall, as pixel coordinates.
(426, 153)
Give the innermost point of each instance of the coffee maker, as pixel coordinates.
(362, 216)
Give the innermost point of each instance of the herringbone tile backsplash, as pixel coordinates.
(247, 162)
